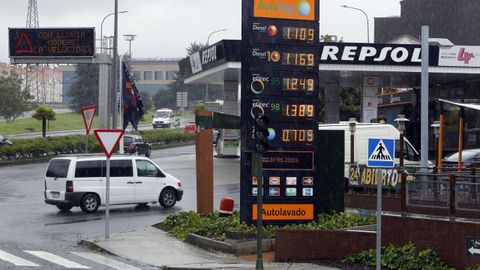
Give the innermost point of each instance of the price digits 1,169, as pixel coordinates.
(298, 59)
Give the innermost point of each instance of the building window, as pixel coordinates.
(137, 75)
(147, 75)
(158, 75)
(171, 75)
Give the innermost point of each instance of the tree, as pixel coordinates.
(146, 101)
(165, 98)
(14, 99)
(195, 47)
(44, 113)
(349, 103)
(84, 91)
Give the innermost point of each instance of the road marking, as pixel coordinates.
(105, 261)
(56, 259)
(15, 260)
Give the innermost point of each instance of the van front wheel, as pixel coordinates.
(168, 198)
(90, 203)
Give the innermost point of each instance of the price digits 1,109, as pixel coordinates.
(298, 33)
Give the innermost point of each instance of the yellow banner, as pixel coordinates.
(285, 9)
(284, 212)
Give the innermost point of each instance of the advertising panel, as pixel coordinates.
(459, 56)
(286, 9)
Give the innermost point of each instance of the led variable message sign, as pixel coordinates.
(280, 84)
(50, 42)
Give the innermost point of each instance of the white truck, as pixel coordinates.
(359, 174)
(164, 118)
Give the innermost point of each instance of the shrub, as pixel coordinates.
(406, 257)
(213, 226)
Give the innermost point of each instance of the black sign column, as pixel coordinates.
(280, 41)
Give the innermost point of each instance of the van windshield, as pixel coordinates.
(162, 114)
(409, 153)
(58, 168)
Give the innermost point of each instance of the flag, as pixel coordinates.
(132, 103)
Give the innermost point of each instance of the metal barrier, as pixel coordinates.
(427, 190)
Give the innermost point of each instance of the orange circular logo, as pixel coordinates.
(272, 30)
(275, 56)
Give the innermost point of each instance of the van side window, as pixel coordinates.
(90, 168)
(146, 168)
(58, 168)
(121, 168)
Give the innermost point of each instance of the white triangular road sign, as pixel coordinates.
(108, 139)
(380, 153)
(88, 113)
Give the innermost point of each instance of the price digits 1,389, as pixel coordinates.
(299, 110)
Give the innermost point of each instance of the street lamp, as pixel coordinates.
(366, 16)
(216, 31)
(401, 120)
(101, 28)
(436, 132)
(129, 38)
(206, 45)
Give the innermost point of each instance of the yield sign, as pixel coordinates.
(88, 113)
(108, 139)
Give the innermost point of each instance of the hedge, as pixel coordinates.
(39, 147)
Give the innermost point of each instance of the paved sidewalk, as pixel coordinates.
(155, 247)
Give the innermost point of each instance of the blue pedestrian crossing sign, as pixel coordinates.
(381, 152)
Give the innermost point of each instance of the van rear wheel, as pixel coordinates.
(90, 203)
(168, 198)
(64, 207)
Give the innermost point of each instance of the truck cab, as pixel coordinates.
(164, 118)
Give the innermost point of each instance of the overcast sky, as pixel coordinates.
(164, 28)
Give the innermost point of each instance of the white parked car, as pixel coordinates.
(81, 181)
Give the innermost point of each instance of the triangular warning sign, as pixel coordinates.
(88, 113)
(23, 44)
(108, 139)
(381, 153)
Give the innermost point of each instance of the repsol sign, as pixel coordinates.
(375, 54)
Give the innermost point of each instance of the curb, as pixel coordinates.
(239, 248)
(92, 245)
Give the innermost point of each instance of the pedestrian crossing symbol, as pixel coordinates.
(381, 152)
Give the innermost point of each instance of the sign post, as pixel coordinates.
(88, 114)
(108, 139)
(381, 154)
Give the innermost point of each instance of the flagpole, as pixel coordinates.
(120, 110)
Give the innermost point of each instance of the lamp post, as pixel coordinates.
(436, 132)
(352, 123)
(216, 31)
(101, 28)
(129, 38)
(206, 45)
(401, 120)
(366, 16)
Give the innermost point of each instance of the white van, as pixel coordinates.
(373, 130)
(81, 181)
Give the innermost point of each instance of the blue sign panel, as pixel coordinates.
(381, 153)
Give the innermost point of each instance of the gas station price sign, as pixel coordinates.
(270, 57)
(51, 42)
(280, 84)
(284, 32)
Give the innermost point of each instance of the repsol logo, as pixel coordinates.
(386, 54)
(209, 55)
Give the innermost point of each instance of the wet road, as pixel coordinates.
(28, 223)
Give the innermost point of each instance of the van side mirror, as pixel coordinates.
(152, 115)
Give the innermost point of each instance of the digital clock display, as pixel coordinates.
(297, 135)
(298, 33)
(298, 110)
(298, 59)
(298, 84)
